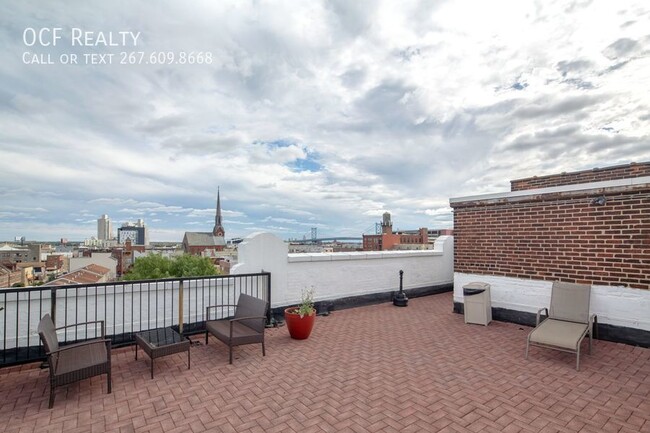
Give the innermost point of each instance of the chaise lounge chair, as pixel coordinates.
(568, 320)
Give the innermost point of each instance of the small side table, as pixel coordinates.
(162, 342)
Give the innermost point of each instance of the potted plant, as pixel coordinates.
(300, 319)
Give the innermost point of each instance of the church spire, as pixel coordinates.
(218, 226)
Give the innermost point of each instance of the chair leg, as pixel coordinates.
(231, 354)
(527, 344)
(578, 359)
(263, 351)
(590, 339)
(51, 396)
(110, 365)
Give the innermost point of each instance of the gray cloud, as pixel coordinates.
(573, 66)
(579, 83)
(569, 140)
(162, 124)
(545, 107)
(203, 144)
(352, 18)
(392, 105)
(623, 47)
(352, 78)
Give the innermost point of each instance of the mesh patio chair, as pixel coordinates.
(568, 320)
(246, 327)
(74, 362)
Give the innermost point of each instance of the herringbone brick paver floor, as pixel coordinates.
(370, 369)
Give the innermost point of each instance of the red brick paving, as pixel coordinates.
(370, 369)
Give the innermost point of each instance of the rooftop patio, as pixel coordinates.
(377, 368)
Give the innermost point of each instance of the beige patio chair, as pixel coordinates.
(568, 320)
(246, 327)
(74, 362)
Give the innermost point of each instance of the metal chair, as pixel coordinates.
(246, 327)
(568, 320)
(74, 362)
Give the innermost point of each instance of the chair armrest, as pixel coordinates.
(247, 318)
(207, 309)
(106, 341)
(538, 315)
(84, 323)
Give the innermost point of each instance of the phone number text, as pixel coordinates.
(165, 58)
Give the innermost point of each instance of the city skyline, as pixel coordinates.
(324, 114)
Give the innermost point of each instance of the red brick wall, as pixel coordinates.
(573, 178)
(389, 240)
(372, 242)
(555, 237)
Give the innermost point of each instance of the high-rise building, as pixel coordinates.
(104, 228)
(136, 232)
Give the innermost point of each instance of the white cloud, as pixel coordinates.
(436, 212)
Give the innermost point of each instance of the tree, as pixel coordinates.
(155, 266)
(192, 266)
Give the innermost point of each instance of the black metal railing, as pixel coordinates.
(125, 307)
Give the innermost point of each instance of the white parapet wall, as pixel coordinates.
(618, 306)
(340, 275)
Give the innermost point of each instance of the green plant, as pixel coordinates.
(306, 306)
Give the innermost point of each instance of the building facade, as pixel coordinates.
(590, 227)
(135, 232)
(389, 240)
(207, 244)
(14, 254)
(105, 260)
(89, 274)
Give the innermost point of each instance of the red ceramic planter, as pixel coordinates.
(299, 328)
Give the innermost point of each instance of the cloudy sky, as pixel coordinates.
(307, 114)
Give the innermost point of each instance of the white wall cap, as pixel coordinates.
(557, 189)
(361, 255)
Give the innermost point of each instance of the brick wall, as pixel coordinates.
(577, 177)
(558, 237)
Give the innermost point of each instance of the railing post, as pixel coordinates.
(180, 307)
(269, 319)
(53, 305)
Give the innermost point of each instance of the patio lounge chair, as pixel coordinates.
(246, 327)
(74, 362)
(568, 320)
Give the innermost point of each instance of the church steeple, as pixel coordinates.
(218, 227)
